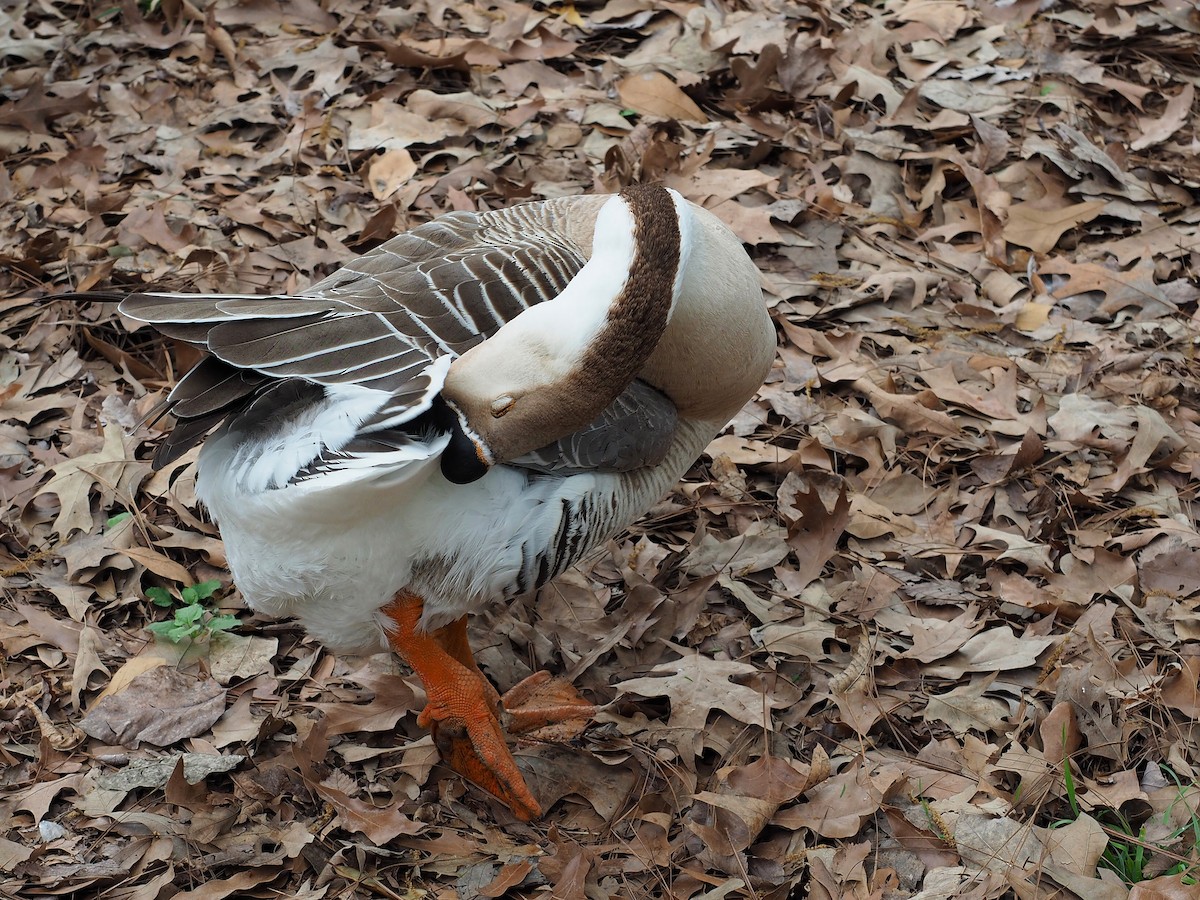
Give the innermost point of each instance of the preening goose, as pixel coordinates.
(458, 416)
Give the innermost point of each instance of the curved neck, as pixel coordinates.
(635, 318)
(554, 368)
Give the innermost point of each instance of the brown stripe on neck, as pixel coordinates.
(638, 315)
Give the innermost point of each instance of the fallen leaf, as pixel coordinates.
(994, 650)
(1155, 131)
(837, 807)
(1040, 229)
(112, 468)
(390, 171)
(36, 107)
(158, 707)
(654, 94)
(1078, 845)
(233, 656)
(155, 772)
(696, 685)
(966, 708)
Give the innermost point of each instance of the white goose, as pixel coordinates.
(458, 416)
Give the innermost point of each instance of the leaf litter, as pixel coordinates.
(925, 622)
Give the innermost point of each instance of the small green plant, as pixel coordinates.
(1127, 852)
(1127, 856)
(193, 620)
(1187, 834)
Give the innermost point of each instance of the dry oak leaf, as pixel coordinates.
(994, 650)
(390, 172)
(236, 656)
(554, 772)
(1165, 887)
(388, 125)
(12, 854)
(160, 707)
(837, 807)
(654, 94)
(995, 843)
(1077, 846)
(36, 108)
(750, 223)
(1175, 572)
(470, 109)
(1040, 229)
(729, 818)
(1182, 690)
(936, 639)
(696, 685)
(1035, 557)
(1178, 111)
(379, 823)
(112, 467)
(966, 708)
(761, 546)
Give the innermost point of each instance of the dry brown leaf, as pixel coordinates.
(654, 94)
(1040, 229)
(966, 708)
(233, 886)
(1060, 734)
(696, 685)
(87, 662)
(12, 854)
(1077, 846)
(1182, 690)
(1165, 887)
(158, 707)
(470, 109)
(555, 772)
(36, 107)
(994, 650)
(111, 468)
(390, 171)
(236, 656)
(742, 802)
(837, 806)
(1178, 111)
(131, 669)
(158, 564)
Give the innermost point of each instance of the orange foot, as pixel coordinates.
(541, 703)
(464, 710)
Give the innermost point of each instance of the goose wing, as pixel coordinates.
(636, 430)
(380, 324)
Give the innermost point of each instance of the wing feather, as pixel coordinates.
(378, 323)
(635, 431)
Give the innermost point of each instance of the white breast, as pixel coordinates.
(329, 548)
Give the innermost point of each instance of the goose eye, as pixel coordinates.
(501, 405)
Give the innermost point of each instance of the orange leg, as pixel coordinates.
(462, 707)
(453, 639)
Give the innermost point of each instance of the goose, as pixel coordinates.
(455, 418)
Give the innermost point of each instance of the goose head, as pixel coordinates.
(554, 368)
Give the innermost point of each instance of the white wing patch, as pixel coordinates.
(270, 460)
(276, 457)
